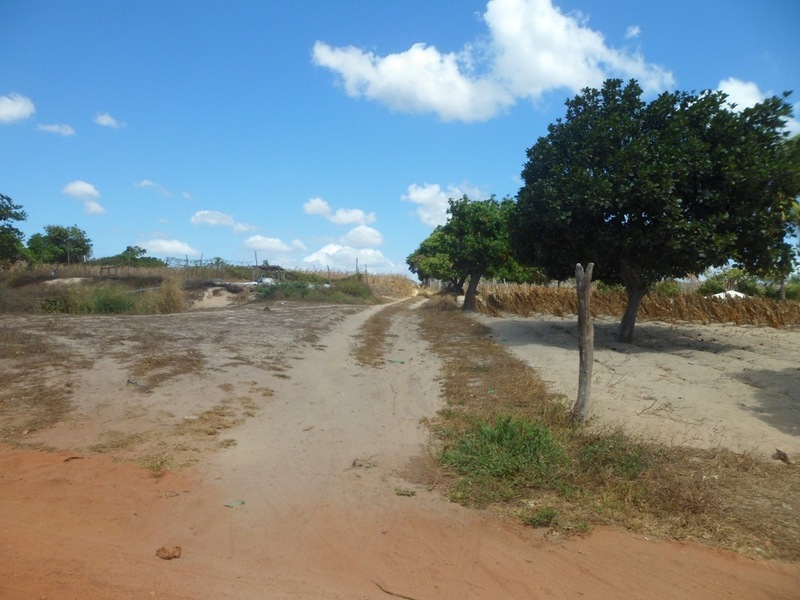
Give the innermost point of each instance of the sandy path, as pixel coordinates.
(321, 519)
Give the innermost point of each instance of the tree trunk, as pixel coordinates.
(636, 290)
(472, 290)
(585, 343)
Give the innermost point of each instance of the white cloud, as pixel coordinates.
(80, 189)
(106, 120)
(267, 244)
(345, 257)
(187, 196)
(633, 31)
(157, 187)
(342, 216)
(87, 193)
(744, 94)
(419, 80)
(92, 207)
(215, 218)
(298, 245)
(15, 107)
(162, 247)
(64, 130)
(532, 48)
(538, 48)
(432, 200)
(363, 236)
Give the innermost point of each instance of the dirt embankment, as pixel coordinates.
(289, 454)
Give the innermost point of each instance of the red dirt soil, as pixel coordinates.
(90, 528)
(307, 503)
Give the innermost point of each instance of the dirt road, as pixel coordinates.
(288, 487)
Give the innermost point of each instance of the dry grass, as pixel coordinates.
(391, 286)
(527, 300)
(29, 404)
(729, 500)
(371, 344)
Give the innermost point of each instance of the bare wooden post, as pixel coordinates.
(583, 282)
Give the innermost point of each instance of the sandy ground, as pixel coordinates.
(299, 494)
(695, 385)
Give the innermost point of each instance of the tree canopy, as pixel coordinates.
(60, 244)
(473, 243)
(11, 246)
(432, 260)
(662, 189)
(132, 256)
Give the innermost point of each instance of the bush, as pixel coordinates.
(669, 288)
(710, 287)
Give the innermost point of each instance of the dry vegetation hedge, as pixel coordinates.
(527, 300)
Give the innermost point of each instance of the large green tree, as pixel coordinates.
(662, 189)
(11, 246)
(60, 244)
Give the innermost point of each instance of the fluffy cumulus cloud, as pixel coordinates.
(346, 258)
(64, 130)
(532, 48)
(744, 94)
(341, 216)
(215, 218)
(432, 200)
(266, 244)
(106, 120)
(86, 193)
(363, 236)
(15, 107)
(167, 248)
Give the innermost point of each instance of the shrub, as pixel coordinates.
(669, 288)
(710, 287)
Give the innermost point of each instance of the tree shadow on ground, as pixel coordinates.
(778, 394)
(647, 337)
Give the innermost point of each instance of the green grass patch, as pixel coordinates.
(507, 447)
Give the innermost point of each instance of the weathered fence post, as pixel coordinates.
(583, 282)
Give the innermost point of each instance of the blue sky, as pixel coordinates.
(318, 132)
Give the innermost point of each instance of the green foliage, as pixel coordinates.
(63, 245)
(711, 286)
(647, 191)
(507, 447)
(11, 246)
(91, 299)
(344, 290)
(433, 260)
(668, 287)
(474, 242)
(132, 256)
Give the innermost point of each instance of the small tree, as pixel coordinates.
(11, 246)
(433, 260)
(59, 244)
(665, 189)
(478, 232)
